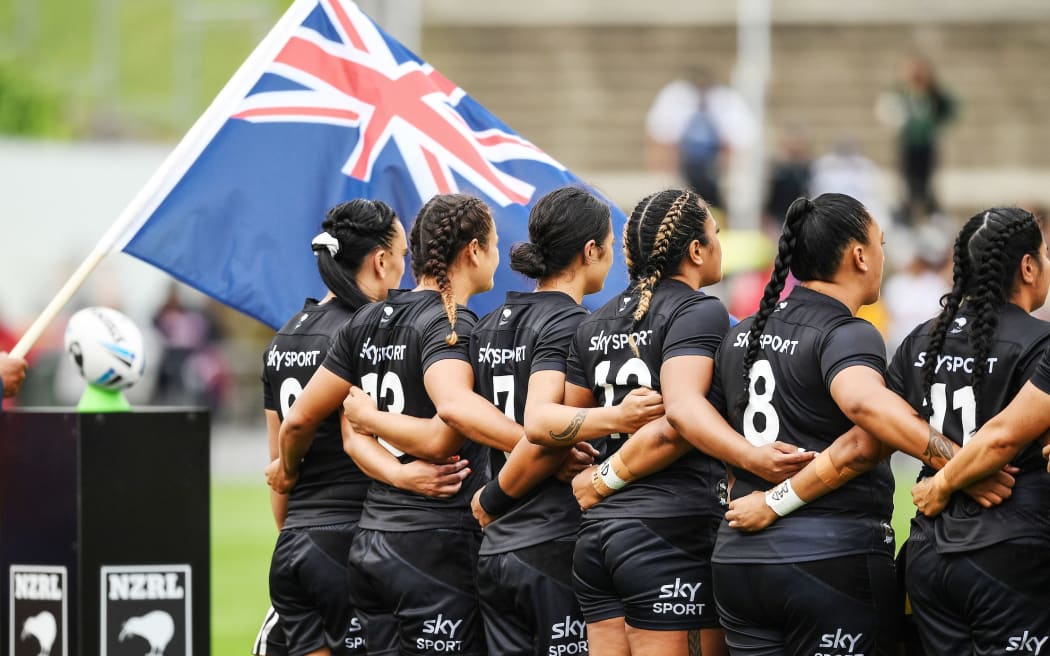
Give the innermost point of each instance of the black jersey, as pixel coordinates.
(1019, 343)
(680, 322)
(809, 338)
(527, 334)
(385, 350)
(331, 489)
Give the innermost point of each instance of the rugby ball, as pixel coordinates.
(106, 348)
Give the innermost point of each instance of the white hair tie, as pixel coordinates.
(325, 240)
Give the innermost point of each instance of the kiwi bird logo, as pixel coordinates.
(44, 628)
(156, 627)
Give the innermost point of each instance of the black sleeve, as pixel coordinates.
(697, 329)
(574, 372)
(853, 342)
(716, 396)
(1041, 376)
(435, 349)
(340, 359)
(1030, 362)
(269, 403)
(896, 378)
(553, 343)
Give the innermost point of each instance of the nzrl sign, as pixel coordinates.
(38, 623)
(145, 609)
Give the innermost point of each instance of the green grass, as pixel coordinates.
(242, 540)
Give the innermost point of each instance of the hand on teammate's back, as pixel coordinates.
(484, 519)
(356, 406)
(583, 489)
(777, 461)
(13, 372)
(639, 407)
(278, 479)
(750, 513)
(440, 481)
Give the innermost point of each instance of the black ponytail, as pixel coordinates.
(560, 225)
(359, 226)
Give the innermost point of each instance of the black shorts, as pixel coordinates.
(655, 573)
(415, 592)
(988, 601)
(836, 607)
(528, 604)
(308, 589)
(270, 640)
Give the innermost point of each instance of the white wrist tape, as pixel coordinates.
(783, 500)
(610, 478)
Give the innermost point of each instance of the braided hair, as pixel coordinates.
(443, 227)
(360, 226)
(986, 258)
(816, 234)
(560, 225)
(655, 239)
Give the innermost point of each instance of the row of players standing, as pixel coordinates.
(644, 566)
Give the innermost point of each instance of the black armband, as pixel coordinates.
(494, 500)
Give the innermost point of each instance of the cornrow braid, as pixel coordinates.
(987, 299)
(656, 238)
(444, 226)
(950, 304)
(796, 214)
(657, 262)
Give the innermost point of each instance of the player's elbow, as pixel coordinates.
(862, 452)
(861, 409)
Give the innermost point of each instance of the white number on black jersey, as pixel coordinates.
(391, 391)
(963, 400)
(761, 404)
(633, 367)
(290, 390)
(504, 385)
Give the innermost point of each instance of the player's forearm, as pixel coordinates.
(426, 438)
(889, 419)
(530, 465)
(697, 421)
(481, 422)
(990, 449)
(294, 440)
(849, 456)
(655, 446)
(369, 455)
(553, 424)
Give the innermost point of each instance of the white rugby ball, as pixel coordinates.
(106, 347)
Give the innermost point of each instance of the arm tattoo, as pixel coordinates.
(939, 446)
(572, 430)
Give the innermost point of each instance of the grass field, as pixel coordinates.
(242, 541)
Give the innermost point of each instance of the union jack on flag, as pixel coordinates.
(328, 107)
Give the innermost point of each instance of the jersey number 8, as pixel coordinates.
(761, 404)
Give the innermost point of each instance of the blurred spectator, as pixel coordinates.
(192, 369)
(693, 125)
(917, 108)
(789, 177)
(845, 170)
(913, 294)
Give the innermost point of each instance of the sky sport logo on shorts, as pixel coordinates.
(682, 599)
(145, 609)
(354, 640)
(839, 643)
(439, 634)
(38, 617)
(568, 638)
(1027, 643)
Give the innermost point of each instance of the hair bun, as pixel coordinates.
(526, 259)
